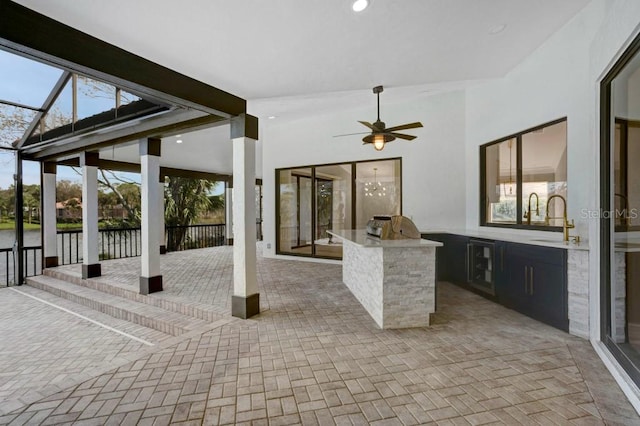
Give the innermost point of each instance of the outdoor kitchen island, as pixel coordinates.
(393, 279)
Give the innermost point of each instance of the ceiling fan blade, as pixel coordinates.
(405, 137)
(369, 125)
(405, 127)
(350, 134)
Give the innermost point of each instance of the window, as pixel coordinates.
(519, 175)
(312, 200)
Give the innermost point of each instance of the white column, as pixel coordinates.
(150, 278)
(163, 246)
(90, 260)
(246, 300)
(49, 234)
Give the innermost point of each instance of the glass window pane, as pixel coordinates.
(544, 174)
(127, 98)
(26, 81)
(94, 97)
(333, 207)
(378, 190)
(295, 211)
(13, 123)
(501, 182)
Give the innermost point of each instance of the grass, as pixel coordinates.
(10, 225)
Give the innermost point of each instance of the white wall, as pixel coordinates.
(551, 83)
(432, 166)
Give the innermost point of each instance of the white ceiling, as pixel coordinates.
(279, 48)
(291, 58)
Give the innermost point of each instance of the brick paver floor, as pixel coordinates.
(316, 357)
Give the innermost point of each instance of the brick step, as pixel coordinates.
(160, 300)
(144, 314)
(137, 330)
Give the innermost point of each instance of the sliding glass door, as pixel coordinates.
(313, 200)
(619, 214)
(296, 211)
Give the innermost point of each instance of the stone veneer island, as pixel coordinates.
(394, 280)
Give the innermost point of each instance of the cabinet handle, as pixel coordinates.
(526, 280)
(531, 279)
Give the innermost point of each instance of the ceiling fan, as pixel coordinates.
(380, 135)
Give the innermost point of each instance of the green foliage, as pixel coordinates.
(185, 200)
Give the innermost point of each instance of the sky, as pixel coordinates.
(29, 82)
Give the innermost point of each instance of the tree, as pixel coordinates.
(31, 197)
(185, 200)
(66, 190)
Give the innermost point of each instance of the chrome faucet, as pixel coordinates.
(527, 214)
(565, 222)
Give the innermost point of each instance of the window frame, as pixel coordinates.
(483, 181)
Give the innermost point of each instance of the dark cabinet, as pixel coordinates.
(501, 274)
(451, 258)
(527, 278)
(537, 283)
(442, 270)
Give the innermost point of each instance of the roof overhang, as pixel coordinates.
(158, 125)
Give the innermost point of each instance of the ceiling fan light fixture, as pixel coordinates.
(360, 5)
(378, 142)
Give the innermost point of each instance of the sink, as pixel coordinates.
(543, 240)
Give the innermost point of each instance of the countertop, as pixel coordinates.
(360, 237)
(554, 240)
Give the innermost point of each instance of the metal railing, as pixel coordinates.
(114, 243)
(195, 236)
(32, 264)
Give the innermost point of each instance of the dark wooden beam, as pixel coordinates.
(29, 33)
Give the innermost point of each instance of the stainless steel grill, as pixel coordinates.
(392, 228)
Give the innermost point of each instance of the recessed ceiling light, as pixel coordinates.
(497, 29)
(360, 5)
(179, 141)
(271, 117)
(178, 136)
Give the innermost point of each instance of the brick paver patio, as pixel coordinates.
(316, 357)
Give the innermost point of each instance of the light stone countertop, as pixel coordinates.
(554, 240)
(360, 237)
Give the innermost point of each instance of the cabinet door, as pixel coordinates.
(537, 284)
(501, 276)
(516, 290)
(442, 269)
(548, 291)
(457, 259)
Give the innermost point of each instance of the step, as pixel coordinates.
(160, 300)
(148, 334)
(143, 314)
